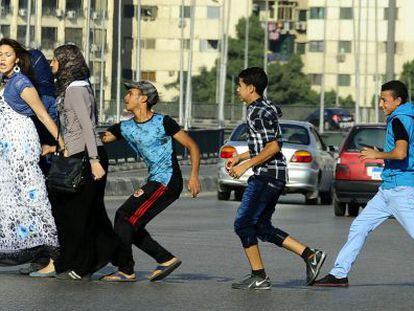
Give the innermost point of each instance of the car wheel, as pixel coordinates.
(326, 197)
(339, 208)
(238, 195)
(353, 209)
(223, 195)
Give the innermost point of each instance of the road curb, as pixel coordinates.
(121, 186)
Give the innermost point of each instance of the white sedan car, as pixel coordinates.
(310, 162)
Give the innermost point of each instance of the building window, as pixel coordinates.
(285, 13)
(316, 78)
(344, 80)
(49, 7)
(187, 11)
(386, 13)
(4, 31)
(213, 12)
(21, 34)
(49, 37)
(398, 46)
(346, 13)
(6, 8)
(127, 73)
(344, 46)
(149, 12)
(148, 44)
(186, 44)
(148, 75)
(208, 45)
(23, 8)
(316, 46)
(75, 6)
(302, 16)
(317, 13)
(74, 36)
(129, 11)
(300, 48)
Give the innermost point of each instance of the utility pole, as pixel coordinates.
(88, 32)
(325, 46)
(266, 36)
(101, 80)
(357, 52)
(29, 13)
(181, 95)
(138, 44)
(392, 12)
(119, 64)
(365, 109)
(223, 64)
(376, 103)
(1, 15)
(188, 93)
(246, 48)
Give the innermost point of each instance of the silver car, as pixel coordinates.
(310, 162)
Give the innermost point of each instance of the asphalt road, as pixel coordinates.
(199, 231)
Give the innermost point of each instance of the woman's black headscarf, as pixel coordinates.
(72, 67)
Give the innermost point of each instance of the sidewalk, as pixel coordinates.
(124, 179)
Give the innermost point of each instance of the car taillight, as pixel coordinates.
(301, 156)
(342, 171)
(227, 152)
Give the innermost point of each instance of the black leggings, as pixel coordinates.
(132, 217)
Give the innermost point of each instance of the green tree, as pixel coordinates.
(407, 76)
(287, 82)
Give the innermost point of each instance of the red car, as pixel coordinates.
(357, 180)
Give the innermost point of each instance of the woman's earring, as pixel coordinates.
(16, 68)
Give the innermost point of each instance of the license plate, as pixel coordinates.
(346, 124)
(374, 172)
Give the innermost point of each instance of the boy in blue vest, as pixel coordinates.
(395, 196)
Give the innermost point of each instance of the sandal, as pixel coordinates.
(118, 277)
(164, 271)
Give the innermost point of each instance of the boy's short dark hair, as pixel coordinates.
(255, 76)
(397, 88)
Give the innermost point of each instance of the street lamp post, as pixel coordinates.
(322, 97)
(138, 44)
(88, 32)
(29, 13)
(118, 71)
(223, 71)
(266, 36)
(188, 92)
(181, 95)
(101, 80)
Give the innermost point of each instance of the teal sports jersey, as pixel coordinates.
(152, 141)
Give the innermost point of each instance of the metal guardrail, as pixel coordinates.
(208, 140)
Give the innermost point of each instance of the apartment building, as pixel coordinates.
(348, 23)
(56, 22)
(161, 26)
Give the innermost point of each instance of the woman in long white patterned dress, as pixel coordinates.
(27, 227)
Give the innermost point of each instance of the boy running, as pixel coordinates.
(150, 135)
(254, 216)
(395, 196)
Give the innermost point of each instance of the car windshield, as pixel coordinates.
(293, 134)
(365, 137)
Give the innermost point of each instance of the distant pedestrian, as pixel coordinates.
(254, 216)
(395, 197)
(151, 135)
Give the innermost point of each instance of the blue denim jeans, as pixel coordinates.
(254, 216)
(397, 202)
